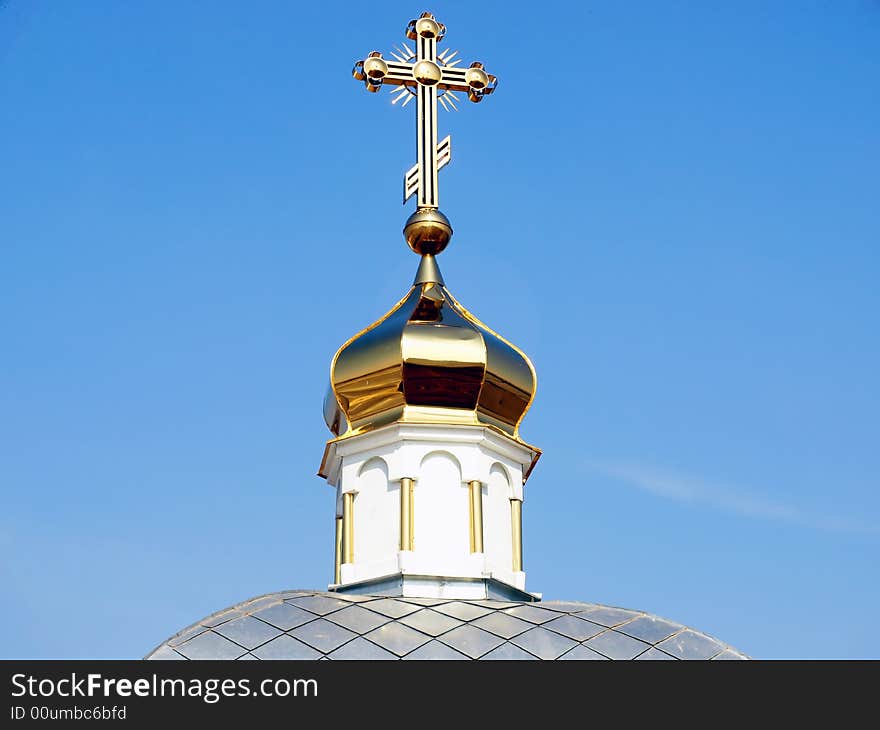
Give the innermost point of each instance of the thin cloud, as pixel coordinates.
(683, 488)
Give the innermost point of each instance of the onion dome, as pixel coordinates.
(428, 360)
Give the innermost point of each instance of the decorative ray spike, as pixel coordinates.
(442, 102)
(405, 51)
(398, 94)
(398, 57)
(409, 98)
(448, 59)
(452, 100)
(454, 63)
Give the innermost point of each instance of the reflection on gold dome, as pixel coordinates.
(428, 360)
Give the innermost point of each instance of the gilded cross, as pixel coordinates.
(427, 77)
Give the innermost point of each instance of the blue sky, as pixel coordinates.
(672, 207)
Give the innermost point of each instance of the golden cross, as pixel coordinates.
(428, 78)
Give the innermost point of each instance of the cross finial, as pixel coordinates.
(424, 75)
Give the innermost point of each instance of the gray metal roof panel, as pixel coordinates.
(304, 624)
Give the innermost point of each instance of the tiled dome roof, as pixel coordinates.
(315, 625)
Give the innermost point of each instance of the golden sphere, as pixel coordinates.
(375, 67)
(427, 27)
(475, 77)
(427, 231)
(427, 73)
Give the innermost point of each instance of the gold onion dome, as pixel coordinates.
(428, 360)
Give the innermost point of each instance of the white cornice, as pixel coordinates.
(486, 439)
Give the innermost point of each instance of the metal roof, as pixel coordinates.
(317, 625)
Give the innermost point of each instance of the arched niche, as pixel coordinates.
(441, 508)
(375, 509)
(497, 533)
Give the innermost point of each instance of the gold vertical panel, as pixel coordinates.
(337, 563)
(406, 514)
(476, 516)
(348, 527)
(516, 531)
(412, 516)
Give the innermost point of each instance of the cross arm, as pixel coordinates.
(472, 80)
(375, 71)
(400, 74)
(454, 79)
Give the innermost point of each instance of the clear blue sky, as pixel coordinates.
(673, 207)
